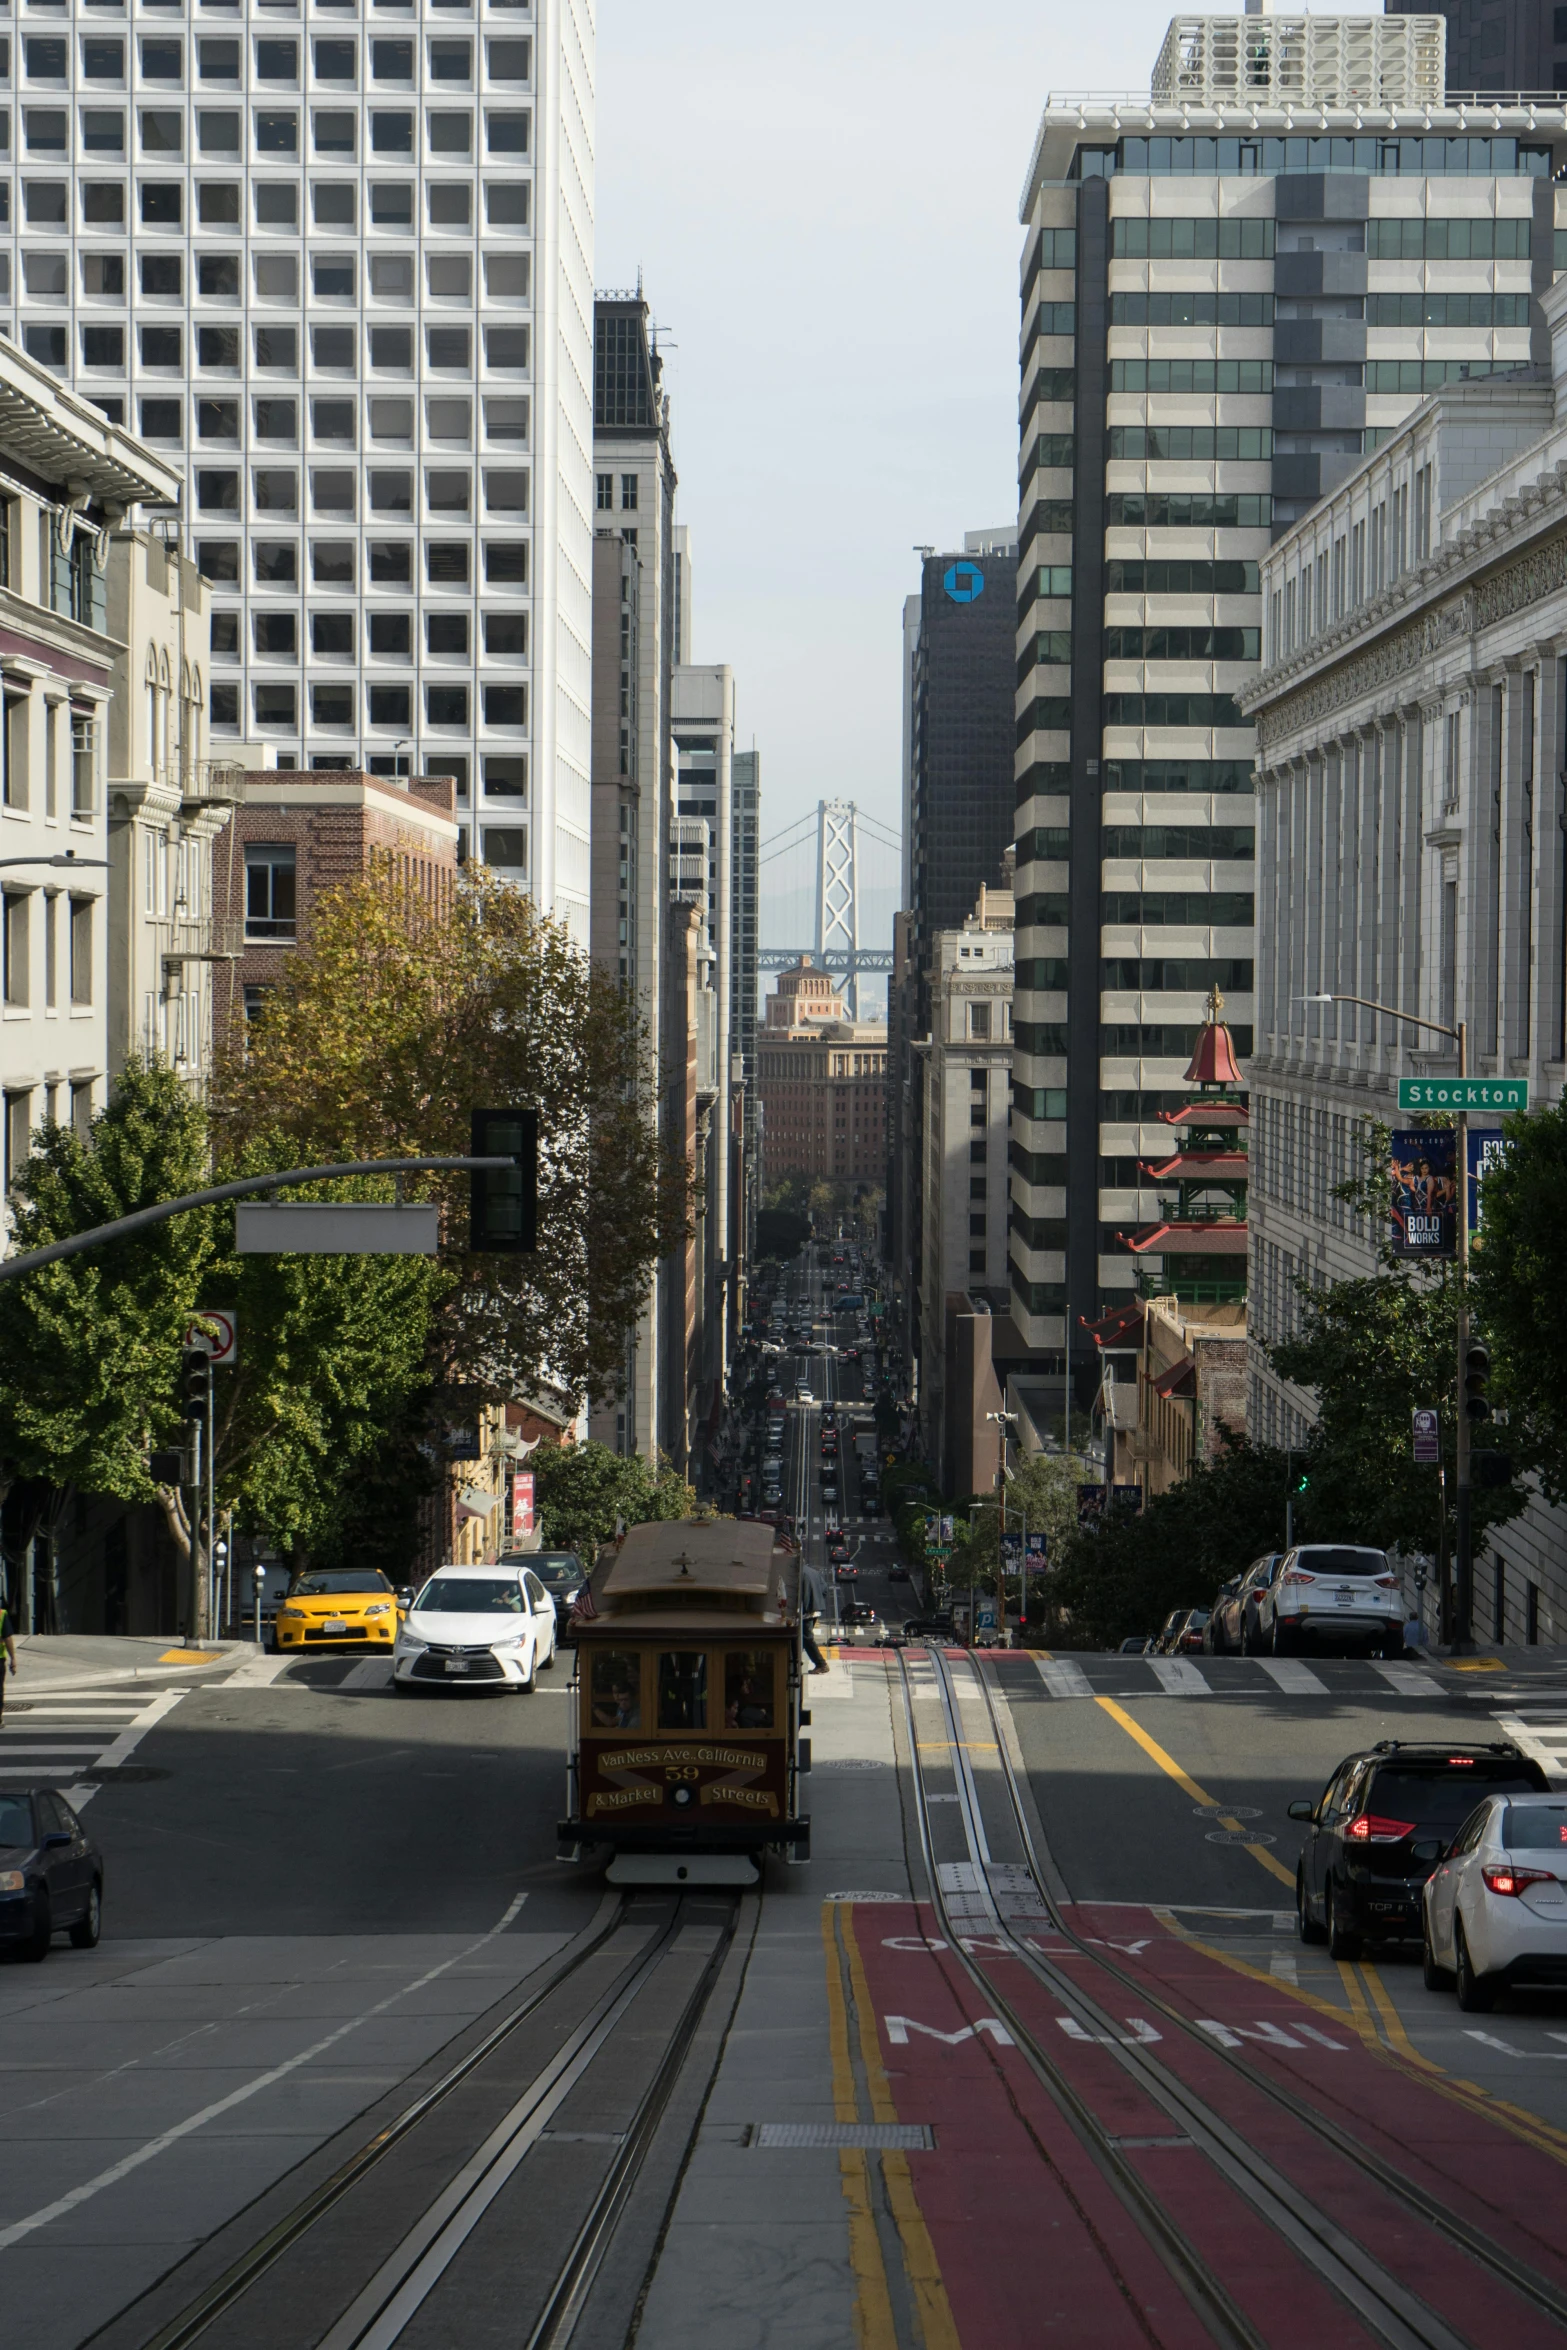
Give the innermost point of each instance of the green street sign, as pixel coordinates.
(1463, 1093)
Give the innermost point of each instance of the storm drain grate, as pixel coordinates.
(914, 2137)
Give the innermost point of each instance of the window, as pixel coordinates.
(163, 420)
(391, 134)
(392, 61)
(332, 346)
(507, 134)
(160, 204)
(505, 705)
(104, 61)
(162, 131)
(451, 204)
(447, 632)
(391, 563)
(160, 346)
(81, 949)
(615, 1689)
(15, 906)
(508, 850)
(451, 134)
(506, 562)
(506, 420)
(392, 348)
(218, 559)
(217, 61)
(506, 203)
(511, 61)
(446, 562)
(277, 277)
(270, 885)
(43, 203)
(389, 633)
(332, 564)
(332, 276)
(277, 563)
(277, 61)
(217, 206)
(507, 276)
(278, 346)
(217, 346)
(446, 705)
(277, 420)
(276, 633)
(682, 1689)
(334, 134)
(389, 706)
(332, 206)
(332, 705)
(448, 346)
(506, 776)
(217, 134)
(161, 61)
(506, 633)
(336, 61)
(392, 277)
(506, 346)
(449, 276)
(448, 493)
(45, 131)
(391, 493)
(606, 493)
(224, 639)
(223, 704)
(103, 346)
(44, 54)
(332, 632)
(277, 204)
(277, 134)
(217, 275)
(391, 420)
(277, 705)
(161, 274)
(332, 490)
(333, 420)
(451, 61)
(103, 204)
(391, 204)
(505, 492)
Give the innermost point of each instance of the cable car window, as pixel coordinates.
(615, 1698)
(748, 1689)
(682, 1689)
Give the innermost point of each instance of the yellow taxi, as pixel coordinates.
(338, 1607)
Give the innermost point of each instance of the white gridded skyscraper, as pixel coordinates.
(339, 255)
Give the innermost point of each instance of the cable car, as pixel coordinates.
(685, 1754)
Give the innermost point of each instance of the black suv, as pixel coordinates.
(1380, 1828)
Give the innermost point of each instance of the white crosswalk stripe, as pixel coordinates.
(1062, 1678)
(1177, 1676)
(1545, 1741)
(51, 1741)
(1294, 1678)
(1408, 1680)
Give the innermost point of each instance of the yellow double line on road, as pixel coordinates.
(1390, 2042)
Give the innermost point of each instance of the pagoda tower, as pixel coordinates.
(1198, 1251)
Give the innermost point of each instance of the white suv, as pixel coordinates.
(476, 1627)
(1331, 1591)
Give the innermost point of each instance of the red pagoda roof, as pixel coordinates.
(1213, 1060)
(1216, 1164)
(1114, 1329)
(1188, 1240)
(1179, 1379)
(1207, 1114)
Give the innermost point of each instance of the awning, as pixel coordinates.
(1179, 1379)
(1206, 1166)
(474, 1502)
(1188, 1240)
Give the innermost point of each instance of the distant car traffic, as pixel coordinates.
(1379, 1828)
(51, 1875)
(1140, 1644)
(1331, 1592)
(560, 1572)
(337, 1607)
(898, 1575)
(1495, 1910)
(476, 1627)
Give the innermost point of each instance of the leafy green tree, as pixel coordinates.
(582, 1491)
(1125, 1577)
(1515, 1268)
(91, 1344)
(1041, 1496)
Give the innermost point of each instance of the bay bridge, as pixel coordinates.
(847, 840)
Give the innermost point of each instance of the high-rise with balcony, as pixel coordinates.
(338, 265)
(1230, 291)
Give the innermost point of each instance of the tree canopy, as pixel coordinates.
(583, 1491)
(1515, 1268)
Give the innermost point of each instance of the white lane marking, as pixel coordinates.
(1408, 1680)
(1294, 1678)
(900, 2026)
(1286, 1966)
(1544, 1742)
(257, 1672)
(372, 1672)
(127, 1742)
(75, 2197)
(1177, 1676)
(1062, 1678)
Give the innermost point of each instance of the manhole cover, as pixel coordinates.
(1240, 1836)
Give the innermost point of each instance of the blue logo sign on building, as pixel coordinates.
(964, 582)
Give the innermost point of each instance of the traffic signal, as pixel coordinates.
(1302, 1481)
(1477, 1370)
(195, 1382)
(503, 1202)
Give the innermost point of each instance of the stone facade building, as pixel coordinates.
(1412, 720)
(823, 1083)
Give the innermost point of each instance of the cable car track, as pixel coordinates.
(1389, 2309)
(377, 2314)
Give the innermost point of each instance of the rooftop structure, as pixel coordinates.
(1264, 60)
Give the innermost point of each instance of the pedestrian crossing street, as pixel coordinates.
(54, 1741)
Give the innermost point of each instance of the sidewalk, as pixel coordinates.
(50, 1662)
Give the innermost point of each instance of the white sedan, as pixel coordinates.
(476, 1627)
(1496, 1907)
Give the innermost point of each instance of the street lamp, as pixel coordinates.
(1460, 1627)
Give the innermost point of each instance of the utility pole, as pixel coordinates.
(1463, 1516)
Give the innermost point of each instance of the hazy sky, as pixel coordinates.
(822, 199)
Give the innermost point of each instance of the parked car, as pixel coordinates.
(560, 1572)
(1221, 1633)
(1495, 1911)
(898, 1575)
(1330, 1592)
(1378, 1829)
(1140, 1644)
(1240, 1620)
(1188, 1640)
(936, 1627)
(1170, 1632)
(51, 1874)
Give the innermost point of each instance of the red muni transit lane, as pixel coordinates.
(1034, 2243)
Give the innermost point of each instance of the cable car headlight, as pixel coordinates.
(682, 1795)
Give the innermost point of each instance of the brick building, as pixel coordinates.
(297, 832)
(822, 1079)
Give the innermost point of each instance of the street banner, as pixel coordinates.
(1427, 1436)
(1034, 1550)
(1011, 1552)
(1422, 1171)
(946, 1530)
(521, 1504)
(1486, 1150)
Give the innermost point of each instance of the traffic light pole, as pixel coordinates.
(1463, 1516)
